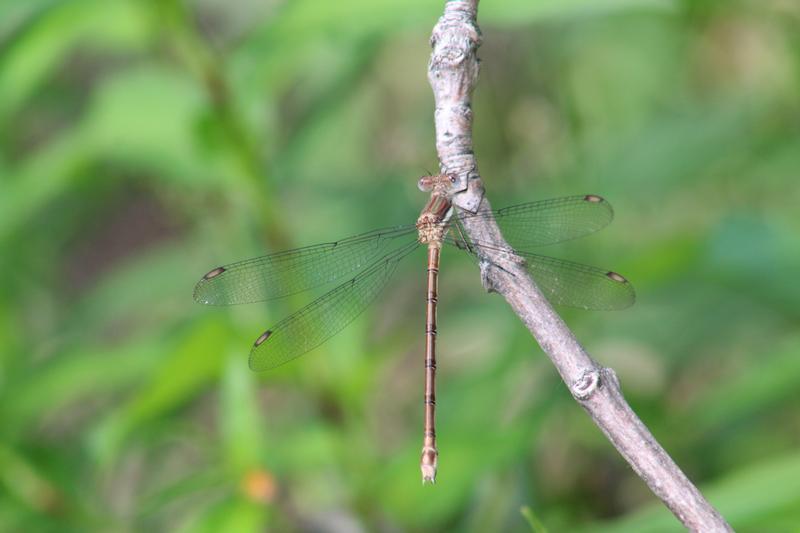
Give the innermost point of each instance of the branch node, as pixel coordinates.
(586, 384)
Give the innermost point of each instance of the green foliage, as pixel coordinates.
(144, 142)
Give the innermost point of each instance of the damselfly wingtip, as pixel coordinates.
(623, 281)
(614, 276)
(597, 199)
(214, 273)
(261, 338)
(201, 294)
(256, 363)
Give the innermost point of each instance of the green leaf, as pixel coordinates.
(240, 419)
(768, 383)
(533, 521)
(144, 116)
(32, 53)
(189, 365)
(81, 373)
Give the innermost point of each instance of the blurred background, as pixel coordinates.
(143, 143)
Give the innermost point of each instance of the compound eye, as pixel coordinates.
(425, 184)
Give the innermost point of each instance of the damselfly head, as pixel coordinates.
(437, 182)
(425, 183)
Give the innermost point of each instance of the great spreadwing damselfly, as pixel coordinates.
(367, 262)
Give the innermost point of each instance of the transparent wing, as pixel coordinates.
(565, 282)
(285, 273)
(577, 285)
(549, 221)
(324, 317)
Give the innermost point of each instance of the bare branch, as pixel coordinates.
(453, 73)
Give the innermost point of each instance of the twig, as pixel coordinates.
(453, 73)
